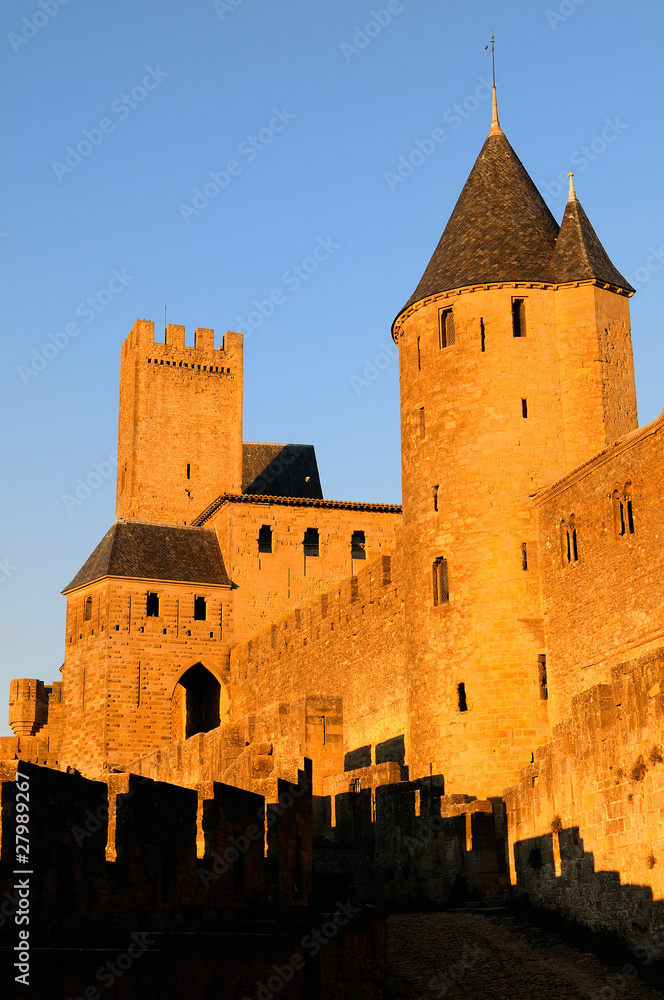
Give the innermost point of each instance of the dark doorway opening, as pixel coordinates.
(202, 692)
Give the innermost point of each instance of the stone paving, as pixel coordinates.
(475, 957)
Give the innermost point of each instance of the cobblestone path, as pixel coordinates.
(476, 957)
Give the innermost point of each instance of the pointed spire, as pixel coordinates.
(495, 123)
(578, 254)
(572, 192)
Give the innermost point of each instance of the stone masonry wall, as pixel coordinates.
(585, 821)
(107, 892)
(121, 667)
(269, 584)
(348, 643)
(404, 843)
(608, 605)
(152, 881)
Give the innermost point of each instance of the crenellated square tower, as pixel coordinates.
(180, 428)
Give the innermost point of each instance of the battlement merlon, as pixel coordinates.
(142, 334)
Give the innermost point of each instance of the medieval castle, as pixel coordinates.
(491, 654)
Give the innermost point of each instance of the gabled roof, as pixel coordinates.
(148, 551)
(500, 230)
(280, 470)
(579, 255)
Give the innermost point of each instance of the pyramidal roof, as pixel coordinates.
(501, 229)
(149, 551)
(579, 254)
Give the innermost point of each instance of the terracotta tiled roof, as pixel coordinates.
(380, 508)
(283, 470)
(150, 551)
(579, 255)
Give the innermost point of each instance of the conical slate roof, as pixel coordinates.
(500, 230)
(579, 255)
(148, 551)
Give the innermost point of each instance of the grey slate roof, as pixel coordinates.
(502, 230)
(149, 551)
(280, 470)
(579, 254)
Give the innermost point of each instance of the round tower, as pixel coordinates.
(494, 387)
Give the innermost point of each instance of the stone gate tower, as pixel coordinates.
(515, 366)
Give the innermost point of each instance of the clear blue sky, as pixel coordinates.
(179, 89)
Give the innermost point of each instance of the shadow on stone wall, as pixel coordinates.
(554, 871)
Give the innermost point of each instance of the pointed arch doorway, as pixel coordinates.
(199, 704)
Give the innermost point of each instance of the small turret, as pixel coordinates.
(28, 706)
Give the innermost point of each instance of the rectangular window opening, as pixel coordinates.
(265, 538)
(518, 317)
(482, 336)
(441, 589)
(423, 429)
(524, 409)
(188, 471)
(541, 661)
(311, 542)
(630, 518)
(152, 606)
(446, 335)
(524, 555)
(87, 608)
(358, 545)
(461, 692)
(419, 356)
(200, 609)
